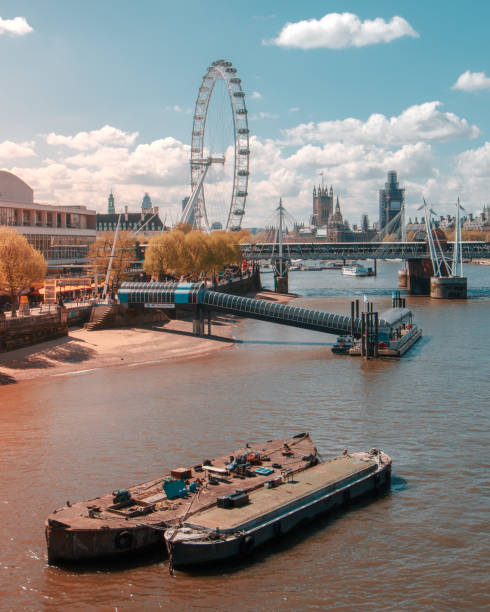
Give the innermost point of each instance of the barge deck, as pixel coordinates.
(220, 533)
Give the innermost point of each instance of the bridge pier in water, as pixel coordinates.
(418, 279)
(281, 283)
(449, 288)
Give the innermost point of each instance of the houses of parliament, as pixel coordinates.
(328, 220)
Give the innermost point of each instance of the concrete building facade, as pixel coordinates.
(62, 233)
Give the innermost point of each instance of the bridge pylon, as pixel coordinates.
(281, 262)
(447, 280)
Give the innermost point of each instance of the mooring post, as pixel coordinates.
(363, 334)
(375, 267)
(376, 329)
(357, 309)
(352, 318)
(369, 344)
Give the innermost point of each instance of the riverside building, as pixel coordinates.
(146, 223)
(63, 234)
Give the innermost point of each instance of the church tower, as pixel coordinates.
(110, 204)
(146, 204)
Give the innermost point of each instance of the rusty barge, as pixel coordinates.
(134, 519)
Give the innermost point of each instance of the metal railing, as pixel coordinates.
(284, 314)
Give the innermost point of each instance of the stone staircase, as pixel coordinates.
(101, 315)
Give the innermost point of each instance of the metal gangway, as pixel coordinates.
(195, 296)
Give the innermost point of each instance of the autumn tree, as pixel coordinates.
(124, 256)
(193, 253)
(20, 265)
(166, 254)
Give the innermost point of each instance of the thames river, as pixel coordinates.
(423, 546)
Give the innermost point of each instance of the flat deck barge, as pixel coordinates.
(220, 533)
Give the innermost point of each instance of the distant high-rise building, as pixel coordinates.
(364, 223)
(391, 200)
(110, 205)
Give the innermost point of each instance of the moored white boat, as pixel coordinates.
(355, 270)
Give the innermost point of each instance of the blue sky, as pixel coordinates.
(333, 93)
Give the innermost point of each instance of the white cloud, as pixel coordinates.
(422, 122)
(263, 115)
(475, 162)
(17, 26)
(10, 150)
(295, 109)
(354, 156)
(178, 109)
(256, 95)
(103, 157)
(341, 30)
(472, 81)
(84, 141)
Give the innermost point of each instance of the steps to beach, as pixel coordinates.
(101, 315)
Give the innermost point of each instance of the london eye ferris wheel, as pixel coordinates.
(219, 151)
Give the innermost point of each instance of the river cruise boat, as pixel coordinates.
(133, 519)
(355, 270)
(397, 333)
(235, 527)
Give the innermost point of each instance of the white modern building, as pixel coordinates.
(62, 233)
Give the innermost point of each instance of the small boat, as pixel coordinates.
(244, 522)
(343, 345)
(131, 520)
(356, 270)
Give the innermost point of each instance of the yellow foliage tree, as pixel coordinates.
(20, 265)
(124, 255)
(165, 254)
(192, 254)
(200, 253)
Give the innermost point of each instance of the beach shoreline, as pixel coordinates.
(84, 351)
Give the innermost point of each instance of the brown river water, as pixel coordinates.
(423, 546)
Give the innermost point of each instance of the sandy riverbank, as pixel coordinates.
(87, 350)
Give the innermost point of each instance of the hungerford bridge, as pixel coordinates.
(415, 277)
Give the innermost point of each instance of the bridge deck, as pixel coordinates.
(358, 250)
